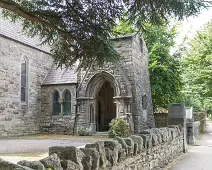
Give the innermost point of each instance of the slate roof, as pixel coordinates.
(60, 76)
(14, 31)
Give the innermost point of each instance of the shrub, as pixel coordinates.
(83, 132)
(50, 167)
(119, 128)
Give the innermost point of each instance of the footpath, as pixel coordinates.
(199, 157)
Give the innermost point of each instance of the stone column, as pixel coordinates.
(118, 100)
(190, 126)
(61, 101)
(92, 117)
(128, 112)
(77, 113)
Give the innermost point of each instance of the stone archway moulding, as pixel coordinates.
(96, 82)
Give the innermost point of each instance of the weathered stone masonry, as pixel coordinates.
(61, 123)
(117, 90)
(17, 118)
(153, 149)
(130, 81)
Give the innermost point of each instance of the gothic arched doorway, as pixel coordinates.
(105, 108)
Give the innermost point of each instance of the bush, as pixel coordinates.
(209, 111)
(119, 128)
(50, 167)
(83, 132)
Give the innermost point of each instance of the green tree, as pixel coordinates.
(79, 30)
(197, 63)
(164, 69)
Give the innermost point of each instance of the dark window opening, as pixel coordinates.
(144, 102)
(56, 104)
(24, 81)
(67, 103)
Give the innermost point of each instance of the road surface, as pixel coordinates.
(36, 147)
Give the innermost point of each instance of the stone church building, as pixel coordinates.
(36, 97)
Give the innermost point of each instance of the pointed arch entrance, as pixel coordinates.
(105, 108)
(101, 90)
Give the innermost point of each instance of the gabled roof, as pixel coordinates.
(14, 32)
(60, 76)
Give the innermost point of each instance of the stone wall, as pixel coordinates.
(193, 127)
(160, 119)
(193, 131)
(152, 149)
(50, 123)
(141, 113)
(119, 75)
(18, 118)
(201, 116)
(196, 129)
(130, 79)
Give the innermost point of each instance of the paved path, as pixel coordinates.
(36, 147)
(198, 157)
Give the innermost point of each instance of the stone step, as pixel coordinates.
(101, 133)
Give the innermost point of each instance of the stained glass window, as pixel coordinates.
(24, 81)
(56, 104)
(67, 103)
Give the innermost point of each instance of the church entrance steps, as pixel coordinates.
(105, 134)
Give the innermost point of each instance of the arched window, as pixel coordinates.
(56, 104)
(144, 102)
(24, 78)
(67, 103)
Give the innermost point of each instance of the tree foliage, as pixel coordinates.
(197, 64)
(164, 69)
(80, 30)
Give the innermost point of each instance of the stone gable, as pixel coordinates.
(130, 79)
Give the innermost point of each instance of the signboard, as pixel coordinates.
(189, 113)
(177, 111)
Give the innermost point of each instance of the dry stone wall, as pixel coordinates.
(193, 128)
(151, 149)
(196, 129)
(201, 116)
(160, 119)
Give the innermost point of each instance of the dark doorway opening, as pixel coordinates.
(106, 110)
